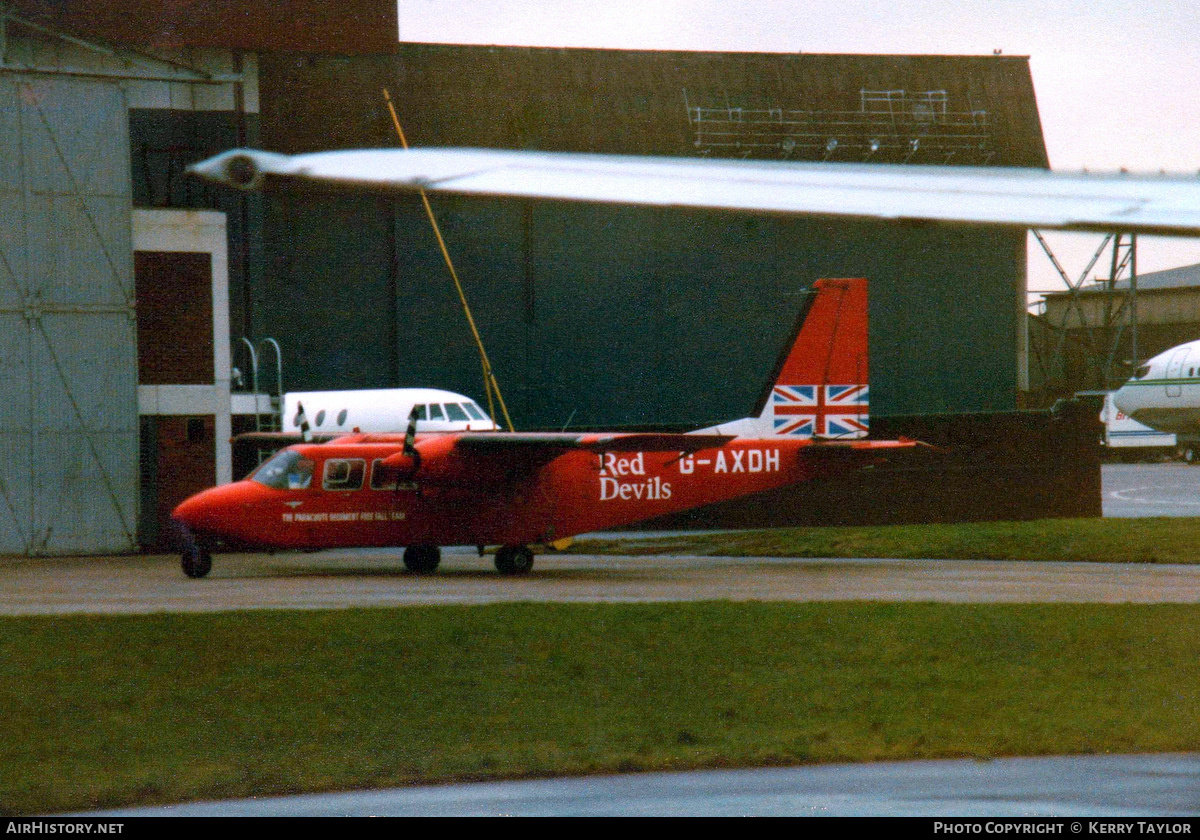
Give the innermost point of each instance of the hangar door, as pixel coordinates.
(68, 351)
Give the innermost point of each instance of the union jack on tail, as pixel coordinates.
(839, 411)
(820, 388)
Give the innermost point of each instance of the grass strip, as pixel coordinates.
(1149, 540)
(126, 710)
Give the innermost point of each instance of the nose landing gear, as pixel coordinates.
(196, 561)
(194, 557)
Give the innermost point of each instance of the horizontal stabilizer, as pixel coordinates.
(833, 448)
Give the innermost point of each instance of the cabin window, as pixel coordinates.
(344, 473)
(435, 412)
(320, 417)
(474, 411)
(454, 412)
(287, 470)
(383, 478)
(342, 417)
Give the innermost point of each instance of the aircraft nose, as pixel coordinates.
(194, 509)
(186, 508)
(1120, 400)
(209, 510)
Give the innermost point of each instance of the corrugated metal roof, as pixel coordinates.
(1183, 277)
(349, 27)
(884, 108)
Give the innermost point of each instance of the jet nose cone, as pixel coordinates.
(1120, 399)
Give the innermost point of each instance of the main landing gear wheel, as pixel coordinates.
(196, 561)
(514, 560)
(422, 559)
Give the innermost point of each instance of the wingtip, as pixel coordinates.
(242, 169)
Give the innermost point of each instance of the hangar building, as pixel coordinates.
(1084, 339)
(600, 315)
(144, 315)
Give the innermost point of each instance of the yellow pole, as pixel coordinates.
(489, 377)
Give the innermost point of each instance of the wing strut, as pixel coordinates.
(489, 377)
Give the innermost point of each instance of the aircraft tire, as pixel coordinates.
(514, 560)
(196, 561)
(422, 559)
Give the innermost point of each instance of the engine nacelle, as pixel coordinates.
(403, 465)
(430, 461)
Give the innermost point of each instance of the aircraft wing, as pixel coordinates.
(555, 442)
(1009, 196)
(282, 439)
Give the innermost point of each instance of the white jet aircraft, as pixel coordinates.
(1164, 393)
(324, 415)
(382, 410)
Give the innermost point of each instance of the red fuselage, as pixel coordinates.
(342, 494)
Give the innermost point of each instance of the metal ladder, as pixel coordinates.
(273, 420)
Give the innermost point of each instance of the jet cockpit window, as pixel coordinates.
(287, 470)
(435, 412)
(1142, 372)
(344, 473)
(454, 412)
(422, 412)
(474, 411)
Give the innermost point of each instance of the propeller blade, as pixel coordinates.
(302, 422)
(410, 433)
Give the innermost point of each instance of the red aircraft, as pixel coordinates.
(516, 490)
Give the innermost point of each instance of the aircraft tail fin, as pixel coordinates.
(820, 385)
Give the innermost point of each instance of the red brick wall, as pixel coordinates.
(186, 464)
(174, 318)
